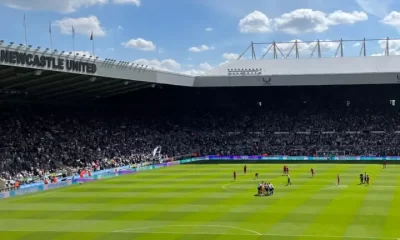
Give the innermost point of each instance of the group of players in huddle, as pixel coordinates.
(265, 189)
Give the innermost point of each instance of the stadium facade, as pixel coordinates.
(29, 74)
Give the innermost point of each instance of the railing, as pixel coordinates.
(323, 48)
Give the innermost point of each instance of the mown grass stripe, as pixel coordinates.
(193, 195)
(371, 224)
(297, 199)
(391, 228)
(335, 218)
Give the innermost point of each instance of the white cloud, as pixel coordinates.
(205, 66)
(392, 19)
(356, 44)
(83, 25)
(230, 56)
(255, 22)
(140, 44)
(199, 70)
(298, 21)
(305, 47)
(325, 46)
(394, 47)
(134, 2)
(286, 47)
(302, 20)
(308, 20)
(194, 72)
(201, 48)
(63, 6)
(377, 54)
(169, 65)
(209, 29)
(121, 28)
(375, 7)
(340, 17)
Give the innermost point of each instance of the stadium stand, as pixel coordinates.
(53, 121)
(34, 137)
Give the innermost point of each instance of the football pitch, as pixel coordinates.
(202, 202)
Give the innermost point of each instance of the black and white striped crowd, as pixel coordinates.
(35, 141)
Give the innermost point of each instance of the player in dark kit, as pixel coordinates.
(367, 180)
(234, 175)
(284, 170)
(256, 176)
(338, 180)
(312, 172)
(361, 178)
(245, 169)
(384, 164)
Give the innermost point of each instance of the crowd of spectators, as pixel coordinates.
(35, 143)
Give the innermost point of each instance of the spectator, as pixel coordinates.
(35, 143)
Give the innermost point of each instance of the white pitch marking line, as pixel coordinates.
(225, 187)
(219, 226)
(245, 234)
(200, 233)
(327, 236)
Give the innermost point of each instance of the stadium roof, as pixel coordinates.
(32, 74)
(289, 69)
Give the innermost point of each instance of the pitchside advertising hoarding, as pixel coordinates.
(305, 158)
(4, 195)
(30, 59)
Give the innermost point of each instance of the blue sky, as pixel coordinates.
(193, 36)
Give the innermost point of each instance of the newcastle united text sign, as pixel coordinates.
(42, 61)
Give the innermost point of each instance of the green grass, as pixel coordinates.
(202, 202)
